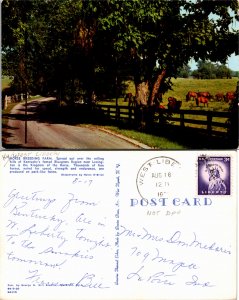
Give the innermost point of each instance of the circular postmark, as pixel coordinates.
(157, 177)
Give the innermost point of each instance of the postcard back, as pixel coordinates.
(118, 225)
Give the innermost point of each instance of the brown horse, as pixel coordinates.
(202, 99)
(205, 94)
(219, 97)
(191, 95)
(230, 96)
(174, 104)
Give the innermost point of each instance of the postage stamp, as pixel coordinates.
(214, 177)
(157, 176)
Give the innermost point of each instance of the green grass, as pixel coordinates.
(5, 112)
(6, 82)
(148, 139)
(181, 86)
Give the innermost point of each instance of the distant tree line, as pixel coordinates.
(207, 70)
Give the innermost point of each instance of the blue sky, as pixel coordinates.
(233, 62)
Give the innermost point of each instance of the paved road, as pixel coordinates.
(45, 134)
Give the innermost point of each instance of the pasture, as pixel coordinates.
(181, 86)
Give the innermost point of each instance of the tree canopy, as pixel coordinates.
(76, 46)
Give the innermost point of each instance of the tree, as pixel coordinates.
(208, 70)
(184, 71)
(222, 71)
(34, 44)
(157, 38)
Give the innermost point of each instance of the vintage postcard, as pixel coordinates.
(118, 225)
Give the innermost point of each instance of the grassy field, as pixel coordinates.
(182, 86)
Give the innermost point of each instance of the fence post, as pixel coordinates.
(182, 119)
(5, 102)
(209, 122)
(117, 113)
(130, 114)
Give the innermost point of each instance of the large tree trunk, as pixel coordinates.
(142, 93)
(156, 86)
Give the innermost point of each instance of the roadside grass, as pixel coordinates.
(5, 119)
(154, 142)
(148, 139)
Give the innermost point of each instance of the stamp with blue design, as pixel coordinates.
(214, 176)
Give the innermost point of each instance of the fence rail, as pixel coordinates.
(212, 121)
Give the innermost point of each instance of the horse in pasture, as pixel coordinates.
(230, 96)
(219, 97)
(158, 107)
(191, 95)
(174, 104)
(202, 99)
(205, 95)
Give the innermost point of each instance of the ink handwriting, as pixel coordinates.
(94, 242)
(155, 278)
(88, 280)
(195, 282)
(175, 239)
(50, 233)
(76, 254)
(155, 256)
(46, 232)
(13, 257)
(34, 196)
(73, 199)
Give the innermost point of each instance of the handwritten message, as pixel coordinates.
(55, 226)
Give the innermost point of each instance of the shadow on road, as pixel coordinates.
(51, 113)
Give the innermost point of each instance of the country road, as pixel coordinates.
(42, 134)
